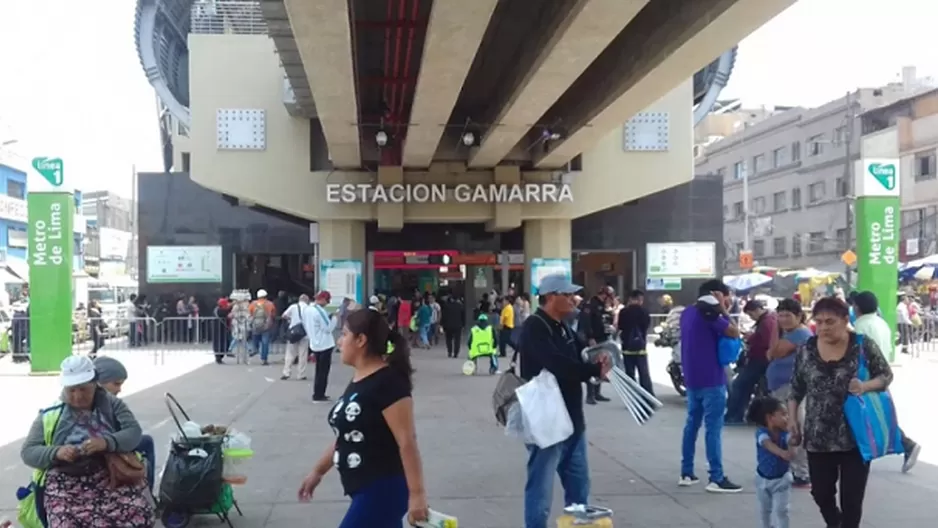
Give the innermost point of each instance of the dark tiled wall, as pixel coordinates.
(175, 211)
(692, 212)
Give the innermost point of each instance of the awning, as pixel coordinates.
(8, 278)
(18, 268)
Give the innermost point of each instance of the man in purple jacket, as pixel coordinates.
(702, 326)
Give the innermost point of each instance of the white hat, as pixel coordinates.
(261, 293)
(76, 370)
(374, 299)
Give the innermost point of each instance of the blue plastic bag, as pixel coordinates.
(872, 418)
(728, 350)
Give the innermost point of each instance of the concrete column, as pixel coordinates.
(390, 215)
(545, 239)
(506, 216)
(342, 239)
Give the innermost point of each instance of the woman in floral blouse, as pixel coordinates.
(825, 373)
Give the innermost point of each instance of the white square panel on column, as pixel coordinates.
(241, 129)
(646, 132)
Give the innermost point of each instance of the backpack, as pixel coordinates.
(260, 318)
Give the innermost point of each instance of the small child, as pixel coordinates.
(774, 451)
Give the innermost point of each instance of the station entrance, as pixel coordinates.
(409, 273)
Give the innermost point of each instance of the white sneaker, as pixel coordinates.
(911, 458)
(687, 480)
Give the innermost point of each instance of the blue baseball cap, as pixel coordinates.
(557, 283)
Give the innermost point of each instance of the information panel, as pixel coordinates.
(688, 260)
(342, 279)
(180, 264)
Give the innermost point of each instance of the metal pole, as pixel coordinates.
(848, 183)
(745, 168)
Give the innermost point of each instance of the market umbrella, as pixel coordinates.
(746, 281)
(924, 273)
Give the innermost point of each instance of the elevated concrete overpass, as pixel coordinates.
(591, 95)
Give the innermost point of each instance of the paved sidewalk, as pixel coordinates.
(476, 473)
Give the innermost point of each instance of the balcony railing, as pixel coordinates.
(228, 17)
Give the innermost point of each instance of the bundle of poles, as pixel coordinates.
(640, 403)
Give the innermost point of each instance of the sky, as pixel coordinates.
(71, 85)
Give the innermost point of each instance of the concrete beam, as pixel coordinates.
(324, 39)
(454, 34)
(584, 33)
(671, 52)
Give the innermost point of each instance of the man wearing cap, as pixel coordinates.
(760, 341)
(319, 327)
(262, 320)
(547, 342)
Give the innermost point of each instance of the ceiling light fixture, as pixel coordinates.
(381, 138)
(469, 139)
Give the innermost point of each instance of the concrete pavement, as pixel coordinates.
(472, 470)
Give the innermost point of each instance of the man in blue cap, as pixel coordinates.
(547, 342)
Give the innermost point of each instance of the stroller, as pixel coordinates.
(193, 480)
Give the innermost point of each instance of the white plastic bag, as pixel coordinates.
(545, 415)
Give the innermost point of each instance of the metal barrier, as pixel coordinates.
(162, 338)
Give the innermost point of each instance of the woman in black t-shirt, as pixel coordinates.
(375, 449)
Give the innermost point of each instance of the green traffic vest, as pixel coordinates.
(483, 342)
(50, 420)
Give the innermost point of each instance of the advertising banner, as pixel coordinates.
(342, 279)
(877, 224)
(541, 267)
(51, 211)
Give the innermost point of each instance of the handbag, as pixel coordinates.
(124, 469)
(728, 350)
(872, 417)
(296, 333)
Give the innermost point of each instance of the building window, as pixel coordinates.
(778, 201)
(758, 164)
(796, 151)
(781, 157)
(796, 198)
(925, 166)
(16, 189)
(840, 135)
(739, 170)
(796, 245)
(842, 242)
(758, 205)
(840, 186)
(185, 162)
(779, 246)
(738, 211)
(758, 248)
(816, 242)
(815, 145)
(816, 192)
(17, 238)
(739, 248)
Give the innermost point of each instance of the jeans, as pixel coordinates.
(424, 332)
(380, 504)
(852, 472)
(639, 362)
(742, 388)
(774, 500)
(321, 377)
(148, 450)
(261, 342)
(568, 460)
(704, 406)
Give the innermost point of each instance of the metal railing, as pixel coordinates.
(161, 338)
(227, 17)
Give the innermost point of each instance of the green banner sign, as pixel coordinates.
(877, 222)
(51, 246)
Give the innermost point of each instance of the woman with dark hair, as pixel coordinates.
(792, 334)
(825, 373)
(375, 449)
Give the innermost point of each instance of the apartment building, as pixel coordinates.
(110, 249)
(788, 179)
(908, 130)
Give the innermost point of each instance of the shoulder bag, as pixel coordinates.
(872, 416)
(296, 333)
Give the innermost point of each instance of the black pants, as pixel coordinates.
(849, 468)
(321, 379)
(453, 336)
(504, 341)
(639, 362)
